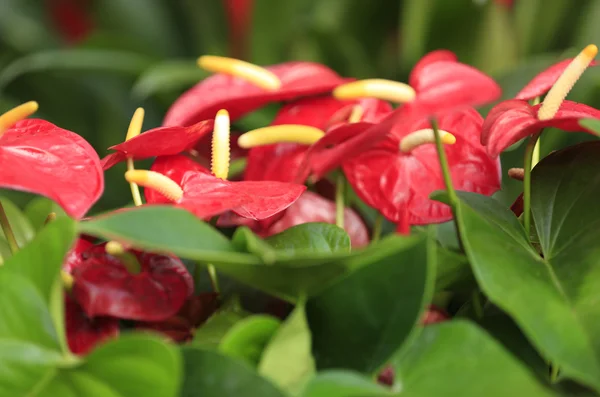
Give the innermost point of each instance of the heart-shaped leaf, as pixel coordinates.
(211, 333)
(208, 373)
(59, 164)
(247, 339)
(337, 383)
(375, 309)
(458, 359)
(287, 360)
(310, 238)
(528, 287)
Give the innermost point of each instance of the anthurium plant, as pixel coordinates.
(352, 246)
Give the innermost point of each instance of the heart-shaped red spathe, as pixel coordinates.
(162, 141)
(39, 157)
(239, 97)
(85, 333)
(543, 81)
(399, 184)
(311, 207)
(75, 255)
(195, 311)
(104, 287)
(443, 84)
(206, 195)
(512, 120)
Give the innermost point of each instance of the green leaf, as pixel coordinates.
(458, 359)
(40, 262)
(132, 365)
(211, 333)
(452, 271)
(247, 338)
(310, 238)
(360, 321)
(20, 225)
(337, 383)
(591, 124)
(287, 360)
(548, 303)
(38, 209)
(166, 229)
(105, 61)
(168, 76)
(208, 373)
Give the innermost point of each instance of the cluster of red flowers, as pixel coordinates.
(326, 123)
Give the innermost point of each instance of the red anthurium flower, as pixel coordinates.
(163, 141)
(186, 184)
(434, 315)
(181, 327)
(398, 174)
(131, 285)
(311, 207)
(71, 18)
(83, 332)
(75, 254)
(239, 17)
(41, 158)
(241, 88)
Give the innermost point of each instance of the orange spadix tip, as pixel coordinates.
(590, 51)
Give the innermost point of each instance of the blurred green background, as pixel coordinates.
(90, 63)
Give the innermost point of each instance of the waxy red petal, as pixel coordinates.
(84, 333)
(511, 121)
(280, 162)
(311, 207)
(163, 141)
(434, 56)
(542, 82)
(175, 168)
(104, 287)
(239, 97)
(39, 157)
(399, 185)
(74, 256)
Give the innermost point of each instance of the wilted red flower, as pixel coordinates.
(512, 120)
(107, 285)
(39, 157)
(83, 332)
(241, 88)
(398, 174)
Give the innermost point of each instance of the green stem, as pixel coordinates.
(339, 201)
(214, 279)
(377, 226)
(8, 232)
(554, 373)
(477, 306)
(527, 182)
(452, 197)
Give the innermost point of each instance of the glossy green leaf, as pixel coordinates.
(208, 373)
(452, 271)
(459, 359)
(38, 209)
(548, 303)
(105, 61)
(132, 365)
(591, 124)
(287, 360)
(360, 321)
(247, 338)
(337, 383)
(216, 327)
(166, 229)
(310, 238)
(20, 225)
(168, 76)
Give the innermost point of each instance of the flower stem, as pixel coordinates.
(8, 232)
(135, 190)
(527, 165)
(377, 225)
(554, 370)
(339, 201)
(214, 279)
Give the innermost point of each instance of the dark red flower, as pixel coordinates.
(163, 141)
(311, 207)
(398, 182)
(512, 120)
(85, 333)
(239, 97)
(105, 287)
(206, 195)
(41, 158)
(195, 311)
(71, 18)
(75, 255)
(239, 17)
(434, 315)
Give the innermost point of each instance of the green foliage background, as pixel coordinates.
(142, 53)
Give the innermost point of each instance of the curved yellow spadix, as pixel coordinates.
(16, 114)
(250, 72)
(292, 133)
(386, 90)
(422, 137)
